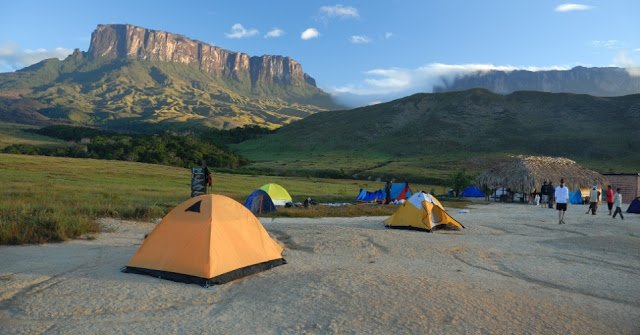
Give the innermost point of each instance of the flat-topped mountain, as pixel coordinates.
(127, 41)
(598, 81)
(132, 75)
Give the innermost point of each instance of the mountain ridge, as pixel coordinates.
(132, 76)
(596, 81)
(129, 41)
(416, 135)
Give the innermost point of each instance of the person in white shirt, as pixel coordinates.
(562, 198)
(617, 201)
(594, 199)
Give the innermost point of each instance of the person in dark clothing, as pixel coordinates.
(550, 194)
(544, 195)
(208, 179)
(387, 190)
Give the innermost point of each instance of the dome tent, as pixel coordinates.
(424, 212)
(259, 202)
(278, 194)
(209, 239)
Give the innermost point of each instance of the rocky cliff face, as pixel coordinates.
(607, 81)
(127, 41)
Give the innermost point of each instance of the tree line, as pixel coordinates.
(168, 148)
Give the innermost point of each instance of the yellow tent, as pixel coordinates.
(209, 239)
(278, 194)
(422, 211)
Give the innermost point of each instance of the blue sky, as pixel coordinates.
(362, 51)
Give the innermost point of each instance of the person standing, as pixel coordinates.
(550, 194)
(562, 198)
(544, 195)
(387, 190)
(617, 201)
(208, 179)
(593, 200)
(609, 198)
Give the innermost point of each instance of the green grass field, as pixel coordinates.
(46, 199)
(12, 133)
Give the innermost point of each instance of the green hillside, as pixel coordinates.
(127, 93)
(426, 136)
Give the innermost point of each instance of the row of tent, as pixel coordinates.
(398, 191)
(212, 239)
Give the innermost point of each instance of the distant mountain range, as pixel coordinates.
(597, 81)
(423, 133)
(136, 76)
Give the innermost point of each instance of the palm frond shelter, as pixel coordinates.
(525, 174)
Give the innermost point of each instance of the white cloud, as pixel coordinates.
(238, 31)
(309, 34)
(606, 44)
(13, 58)
(636, 49)
(396, 82)
(388, 35)
(339, 11)
(571, 7)
(273, 33)
(359, 39)
(623, 59)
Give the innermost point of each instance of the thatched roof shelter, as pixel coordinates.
(527, 173)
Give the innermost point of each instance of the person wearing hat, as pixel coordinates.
(593, 200)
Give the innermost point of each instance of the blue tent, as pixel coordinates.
(366, 196)
(398, 191)
(259, 202)
(575, 197)
(472, 192)
(634, 206)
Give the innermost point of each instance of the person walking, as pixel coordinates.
(609, 198)
(617, 201)
(593, 200)
(562, 198)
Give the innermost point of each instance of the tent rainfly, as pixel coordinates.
(207, 240)
(278, 194)
(528, 173)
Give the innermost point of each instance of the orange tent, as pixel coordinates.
(209, 239)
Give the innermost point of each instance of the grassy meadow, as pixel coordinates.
(46, 199)
(12, 133)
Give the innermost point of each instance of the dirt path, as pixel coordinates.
(513, 270)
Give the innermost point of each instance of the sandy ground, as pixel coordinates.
(514, 270)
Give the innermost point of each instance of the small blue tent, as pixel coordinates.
(575, 197)
(472, 192)
(634, 206)
(259, 202)
(366, 196)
